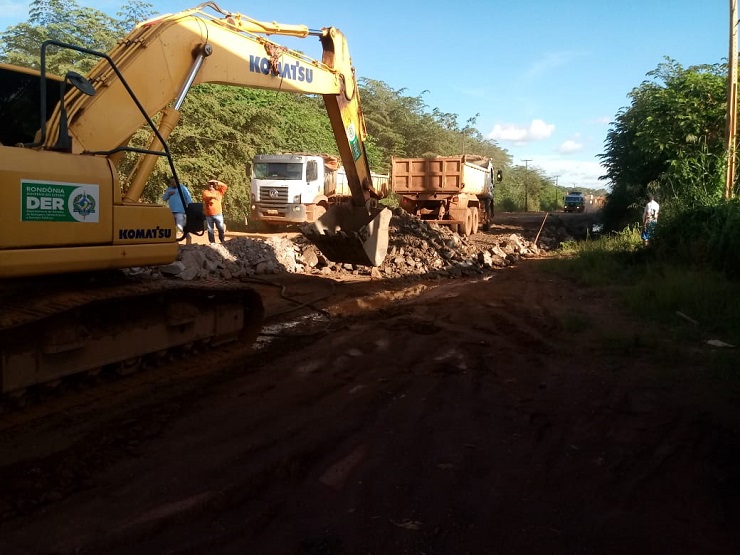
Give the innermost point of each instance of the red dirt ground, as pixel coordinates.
(512, 413)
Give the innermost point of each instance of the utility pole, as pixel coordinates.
(556, 189)
(526, 184)
(731, 119)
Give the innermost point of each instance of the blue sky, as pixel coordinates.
(546, 76)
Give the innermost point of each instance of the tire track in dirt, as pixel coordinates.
(457, 418)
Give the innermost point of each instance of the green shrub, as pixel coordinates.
(702, 236)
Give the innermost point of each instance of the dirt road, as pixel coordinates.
(509, 413)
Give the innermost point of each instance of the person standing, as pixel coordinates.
(174, 200)
(212, 197)
(649, 219)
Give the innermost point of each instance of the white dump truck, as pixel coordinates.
(298, 188)
(450, 190)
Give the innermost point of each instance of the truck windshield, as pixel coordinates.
(278, 170)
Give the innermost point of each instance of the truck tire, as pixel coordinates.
(487, 215)
(475, 220)
(467, 229)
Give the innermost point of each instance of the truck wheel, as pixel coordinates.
(468, 229)
(488, 216)
(475, 220)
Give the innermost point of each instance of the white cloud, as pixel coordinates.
(537, 130)
(569, 147)
(573, 174)
(549, 63)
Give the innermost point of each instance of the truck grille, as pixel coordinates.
(273, 200)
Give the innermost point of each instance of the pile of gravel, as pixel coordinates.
(416, 248)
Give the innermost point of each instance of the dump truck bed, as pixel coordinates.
(443, 174)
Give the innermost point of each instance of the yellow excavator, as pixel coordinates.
(67, 226)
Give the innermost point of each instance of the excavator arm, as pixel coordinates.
(149, 73)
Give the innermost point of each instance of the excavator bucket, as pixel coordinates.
(351, 234)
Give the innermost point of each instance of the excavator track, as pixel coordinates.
(53, 328)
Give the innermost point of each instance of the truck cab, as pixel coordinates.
(574, 202)
(291, 188)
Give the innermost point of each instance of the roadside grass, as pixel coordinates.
(692, 304)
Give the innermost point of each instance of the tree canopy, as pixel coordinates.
(66, 21)
(669, 141)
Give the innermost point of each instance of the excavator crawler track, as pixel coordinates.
(51, 328)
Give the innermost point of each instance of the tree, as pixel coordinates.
(66, 21)
(403, 126)
(668, 141)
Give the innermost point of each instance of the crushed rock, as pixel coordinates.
(416, 249)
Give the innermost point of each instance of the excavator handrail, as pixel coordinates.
(42, 135)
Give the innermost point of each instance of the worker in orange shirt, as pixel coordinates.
(212, 196)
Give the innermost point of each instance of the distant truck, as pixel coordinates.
(574, 202)
(455, 191)
(298, 188)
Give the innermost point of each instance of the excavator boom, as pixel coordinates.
(67, 224)
(191, 47)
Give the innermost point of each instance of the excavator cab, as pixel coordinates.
(20, 100)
